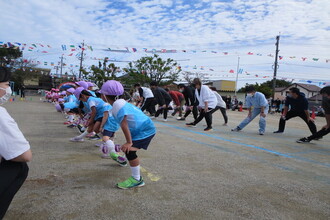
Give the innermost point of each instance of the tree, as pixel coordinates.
(22, 70)
(8, 54)
(279, 83)
(190, 76)
(267, 91)
(266, 87)
(101, 73)
(152, 68)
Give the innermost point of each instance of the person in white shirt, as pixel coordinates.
(147, 99)
(14, 149)
(207, 102)
(221, 105)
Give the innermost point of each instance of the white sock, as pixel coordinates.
(70, 118)
(136, 172)
(83, 134)
(111, 146)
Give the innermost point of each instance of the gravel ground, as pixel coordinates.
(189, 173)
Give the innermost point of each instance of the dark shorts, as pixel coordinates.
(108, 133)
(76, 111)
(144, 143)
(98, 119)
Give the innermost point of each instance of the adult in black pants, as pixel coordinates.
(191, 101)
(326, 128)
(14, 150)
(162, 98)
(147, 99)
(207, 102)
(298, 107)
(13, 175)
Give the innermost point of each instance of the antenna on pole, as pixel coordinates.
(275, 66)
(237, 75)
(81, 58)
(61, 66)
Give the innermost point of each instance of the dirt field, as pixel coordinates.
(189, 174)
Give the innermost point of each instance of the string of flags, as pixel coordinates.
(43, 48)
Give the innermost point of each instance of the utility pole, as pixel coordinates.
(61, 66)
(237, 75)
(56, 68)
(81, 58)
(275, 66)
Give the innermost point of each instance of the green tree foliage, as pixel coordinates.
(279, 83)
(266, 87)
(7, 55)
(101, 73)
(152, 68)
(23, 70)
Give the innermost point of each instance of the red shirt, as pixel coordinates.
(176, 96)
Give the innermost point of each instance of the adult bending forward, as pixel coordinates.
(14, 150)
(258, 101)
(207, 102)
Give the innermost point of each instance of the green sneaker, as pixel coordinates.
(119, 159)
(131, 183)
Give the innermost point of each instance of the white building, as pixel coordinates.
(309, 90)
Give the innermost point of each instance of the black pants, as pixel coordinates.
(149, 105)
(302, 115)
(207, 115)
(12, 177)
(224, 114)
(163, 110)
(319, 134)
(194, 111)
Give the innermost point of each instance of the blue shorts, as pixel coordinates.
(108, 133)
(144, 143)
(98, 119)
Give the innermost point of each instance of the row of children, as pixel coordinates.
(104, 113)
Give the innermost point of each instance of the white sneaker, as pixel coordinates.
(165, 120)
(99, 144)
(76, 139)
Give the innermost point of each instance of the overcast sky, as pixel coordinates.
(233, 26)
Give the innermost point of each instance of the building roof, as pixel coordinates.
(308, 87)
(280, 89)
(318, 97)
(311, 88)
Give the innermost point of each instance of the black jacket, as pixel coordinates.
(299, 104)
(161, 96)
(189, 96)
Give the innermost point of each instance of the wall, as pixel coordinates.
(303, 90)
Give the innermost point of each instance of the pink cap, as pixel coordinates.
(82, 84)
(90, 84)
(112, 87)
(78, 91)
(71, 90)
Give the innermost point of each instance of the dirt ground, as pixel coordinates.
(189, 173)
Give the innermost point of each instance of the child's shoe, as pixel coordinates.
(131, 183)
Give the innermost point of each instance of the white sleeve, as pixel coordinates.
(91, 103)
(205, 93)
(12, 141)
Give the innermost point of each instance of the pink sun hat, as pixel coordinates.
(78, 91)
(112, 87)
(71, 90)
(82, 84)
